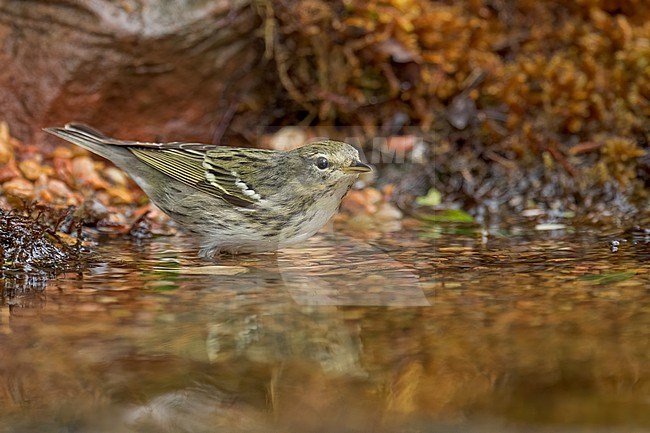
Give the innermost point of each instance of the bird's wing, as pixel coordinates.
(210, 172)
(197, 165)
(239, 173)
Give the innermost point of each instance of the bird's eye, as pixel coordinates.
(322, 162)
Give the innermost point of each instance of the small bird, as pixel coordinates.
(235, 199)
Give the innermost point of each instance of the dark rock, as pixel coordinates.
(140, 69)
(31, 242)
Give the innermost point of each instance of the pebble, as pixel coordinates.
(388, 212)
(288, 138)
(8, 171)
(30, 169)
(18, 187)
(116, 176)
(62, 152)
(373, 196)
(96, 209)
(354, 202)
(63, 170)
(59, 188)
(83, 169)
(6, 152)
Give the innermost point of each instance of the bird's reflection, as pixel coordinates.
(343, 271)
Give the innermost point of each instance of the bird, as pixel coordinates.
(235, 200)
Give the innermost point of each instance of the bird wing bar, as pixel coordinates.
(190, 168)
(237, 172)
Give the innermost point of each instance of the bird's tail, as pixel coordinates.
(91, 139)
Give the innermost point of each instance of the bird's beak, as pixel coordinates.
(356, 167)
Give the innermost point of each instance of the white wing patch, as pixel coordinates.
(246, 190)
(213, 181)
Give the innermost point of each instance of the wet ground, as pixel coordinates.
(427, 329)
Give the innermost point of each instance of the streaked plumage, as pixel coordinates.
(235, 199)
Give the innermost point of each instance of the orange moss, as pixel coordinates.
(618, 161)
(561, 68)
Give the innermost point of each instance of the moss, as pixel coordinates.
(556, 76)
(32, 241)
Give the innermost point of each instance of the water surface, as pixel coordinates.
(427, 329)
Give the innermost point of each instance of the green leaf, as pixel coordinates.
(449, 216)
(433, 198)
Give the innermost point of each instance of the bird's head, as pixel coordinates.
(324, 164)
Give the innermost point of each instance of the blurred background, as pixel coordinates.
(490, 276)
(501, 105)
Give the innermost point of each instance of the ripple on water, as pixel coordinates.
(422, 330)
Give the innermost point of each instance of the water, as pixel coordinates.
(423, 330)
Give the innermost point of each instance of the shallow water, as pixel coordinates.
(430, 329)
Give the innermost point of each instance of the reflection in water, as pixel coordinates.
(195, 409)
(340, 336)
(345, 271)
(320, 338)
